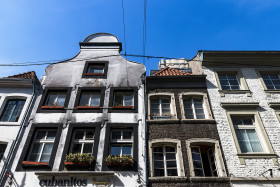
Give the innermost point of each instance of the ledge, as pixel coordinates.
(240, 105)
(88, 107)
(163, 121)
(243, 156)
(274, 105)
(52, 107)
(198, 121)
(167, 179)
(210, 179)
(223, 92)
(269, 92)
(254, 179)
(80, 173)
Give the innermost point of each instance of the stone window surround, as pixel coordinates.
(263, 70)
(172, 102)
(206, 106)
(4, 102)
(243, 85)
(179, 156)
(218, 154)
(265, 143)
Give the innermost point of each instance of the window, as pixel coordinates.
(91, 99)
(246, 134)
(271, 80)
(82, 141)
(161, 108)
(42, 146)
(229, 82)
(121, 142)
(56, 99)
(204, 163)
(194, 108)
(12, 110)
(95, 69)
(205, 158)
(123, 99)
(164, 160)
(165, 157)
(2, 150)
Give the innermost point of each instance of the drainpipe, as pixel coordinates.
(5, 167)
(145, 132)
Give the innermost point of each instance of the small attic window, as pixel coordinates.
(95, 69)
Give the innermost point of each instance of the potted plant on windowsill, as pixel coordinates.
(78, 161)
(52, 105)
(121, 162)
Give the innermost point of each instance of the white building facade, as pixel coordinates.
(244, 93)
(92, 104)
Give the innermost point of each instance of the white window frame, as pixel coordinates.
(4, 107)
(162, 95)
(41, 141)
(220, 167)
(90, 98)
(206, 108)
(82, 141)
(123, 100)
(179, 158)
(57, 97)
(122, 142)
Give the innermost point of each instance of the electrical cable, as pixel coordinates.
(124, 29)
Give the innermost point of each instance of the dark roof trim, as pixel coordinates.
(101, 44)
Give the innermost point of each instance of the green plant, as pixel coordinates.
(78, 157)
(116, 160)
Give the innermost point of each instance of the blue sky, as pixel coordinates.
(33, 30)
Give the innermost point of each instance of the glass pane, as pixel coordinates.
(40, 135)
(126, 150)
(61, 99)
(241, 134)
(196, 156)
(88, 148)
(90, 135)
(115, 150)
(116, 135)
(200, 116)
(165, 101)
(245, 146)
(170, 156)
(158, 172)
(127, 135)
(197, 164)
(158, 149)
(95, 69)
(171, 164)
(79, 135)
(84, 101)
(12, 110)
(2, 150)
(169, 149)
(158, 164)
(51, 135)
(155, 101)
(256, 146)
(159, 156)
(51, 99)
(128, 100)
(225, 87)
(95, 100)
(172, 172)
(198, 172)
(46, 153)
(235, 88)
(35, 153)
(247, 121)
(76, 148)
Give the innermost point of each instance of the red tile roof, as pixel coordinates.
(171, 72)
(26, 75)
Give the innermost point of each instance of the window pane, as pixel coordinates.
(126, 150)
(170, 156)
(127, 135)
(198, 172)
(35, 153)
(76, 148)
(95, 69)
(84, 101)
(116, 135)
(90, 135)
(88, 148)
(41, 135)
(46, 153)
(158, 149)
(51, 135)
(12, 110)
(95, 100)
(158, 164)
(115, 150)
(128, 100)
(2, 150)
(51, 101)
(79, 135)
(171, 164)
(169, 149)
(172, 172)
(158, 172)
(159, 156)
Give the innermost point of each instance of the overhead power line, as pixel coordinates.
(144, 30)
(124, 28)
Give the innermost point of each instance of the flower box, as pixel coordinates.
(122, 107)
(77, 163)
(31, 163)
(52, 107)
(93, 74)
(119, 161)
(88, 107)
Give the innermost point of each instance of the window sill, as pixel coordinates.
(210, 179)
(168, 121)
(247, 92)
(52, 107)
(199, 121)
(254, 179)
(88, 107)
(168, 179)
(30, 163)
(77, 173)
(243, 156)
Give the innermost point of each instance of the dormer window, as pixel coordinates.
(55, 99)
(95, 69)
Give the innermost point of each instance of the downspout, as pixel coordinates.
(145, 133)
(4, 170)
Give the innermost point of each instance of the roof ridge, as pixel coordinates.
(25, 75)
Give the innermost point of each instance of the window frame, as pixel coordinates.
(113, 109)
(122, 142)
(179, 157)
(173, 107)
(220, 165)
(243, 87)
(206, 105)
(45, 96)
(259, 73)
(135, 148)
(81, 141)
(28, 143)
(268, 151)
(69, 135)
(90, 109)
(97, 63)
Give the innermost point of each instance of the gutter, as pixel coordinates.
(15, 142)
